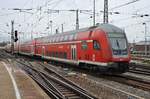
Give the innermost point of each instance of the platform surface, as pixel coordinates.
(25, 87)
(6, 85)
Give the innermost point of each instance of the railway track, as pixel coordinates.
(125, 79)
(4, 56)
(139, 69)
(57, 86)
(132, 81)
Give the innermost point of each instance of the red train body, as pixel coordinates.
(104, 47)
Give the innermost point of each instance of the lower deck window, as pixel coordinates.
(84, 45)
(96, 45)
(57, 54)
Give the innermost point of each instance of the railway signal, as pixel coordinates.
(16, 36)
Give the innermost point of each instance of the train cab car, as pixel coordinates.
(104, 47)
(116, 51)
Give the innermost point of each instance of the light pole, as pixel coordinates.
(145, 38)
(62, 28)
(31, 31)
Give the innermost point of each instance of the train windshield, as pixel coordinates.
(118, 43)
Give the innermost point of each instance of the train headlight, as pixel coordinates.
(110, 63)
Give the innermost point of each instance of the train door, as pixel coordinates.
(73, 52)
(32, 49)
(43, 50)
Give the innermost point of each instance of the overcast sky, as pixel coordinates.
(38, 21)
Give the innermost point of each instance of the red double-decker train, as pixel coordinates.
(103, 47)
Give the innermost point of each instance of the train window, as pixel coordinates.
(59, 54)
(65, 55)
(50, 53)
(75, 36)
(96, 45)
(49, 39)
(56, 54)
(53, 39)
(57, 39)
(61, 39)
(53, 54)
(47, 53)
(71, 37)
(84, 45)
(66, 37)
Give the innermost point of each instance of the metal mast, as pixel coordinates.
(77, 19)
(145, 38)
(105, 20)
(94, 13)
(51, 25)
(62, 28)
(12, 37)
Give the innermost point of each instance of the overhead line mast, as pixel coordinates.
(94, 13)
(77, 19)
(105, 19)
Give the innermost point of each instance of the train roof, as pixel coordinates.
(105, 27)
(110, 28)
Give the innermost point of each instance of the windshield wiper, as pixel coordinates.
(118, 44)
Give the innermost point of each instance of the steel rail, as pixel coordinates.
(140, 72)
(85, 95)
(68, 81)
(133, 81)
(36, 76)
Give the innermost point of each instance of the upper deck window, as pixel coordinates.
(66, 38)
(61, 38)
(57, 39)
(71, 37)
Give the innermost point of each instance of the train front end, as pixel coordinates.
(114, 48)
(108, 52)
(119, 51)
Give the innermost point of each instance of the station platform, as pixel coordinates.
(16, 84)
